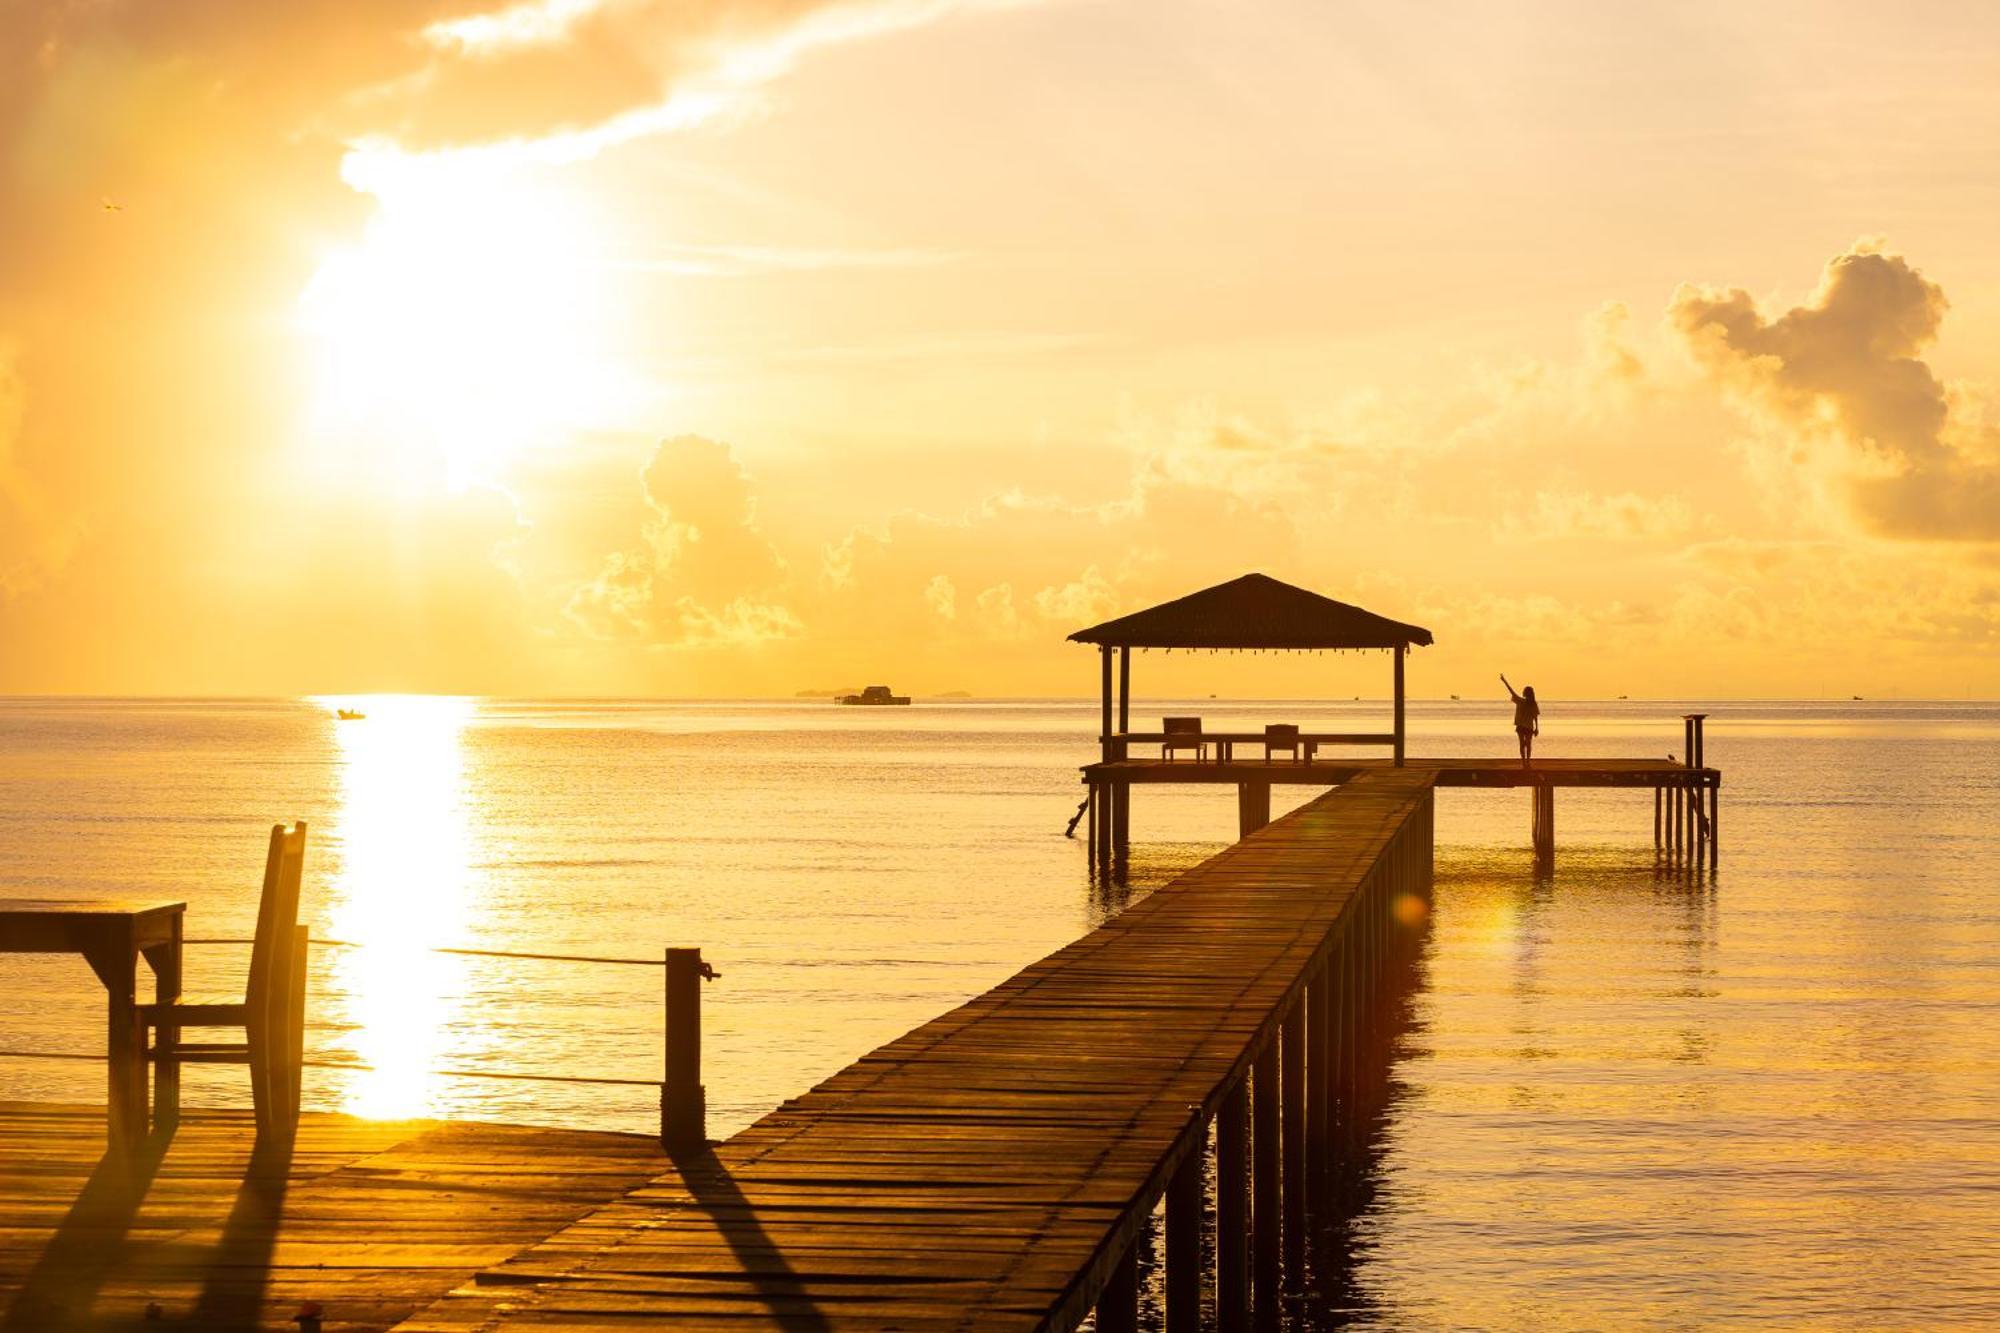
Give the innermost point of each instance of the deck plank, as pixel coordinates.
(373, 1219)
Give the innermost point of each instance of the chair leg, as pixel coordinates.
(295, 1025)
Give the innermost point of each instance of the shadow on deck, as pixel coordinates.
(371, 1219)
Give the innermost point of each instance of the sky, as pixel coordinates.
(746, 347)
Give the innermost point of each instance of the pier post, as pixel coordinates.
(1232, 1210)
(683, 1100)
(1253, 807)
(1319, 1088)
(1714, 813)
(1118, 1303)
(1183, 1258)
(1545, 825)
(1293, 1076)
(1265, 1190)
(1656, 819)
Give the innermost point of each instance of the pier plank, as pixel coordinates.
(372, 1219)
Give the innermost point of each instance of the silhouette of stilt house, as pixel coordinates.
(1260, 613)
(1256, 613)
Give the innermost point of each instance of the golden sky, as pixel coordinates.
(749, 346)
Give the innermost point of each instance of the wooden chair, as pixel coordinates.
(1182, 733)
(271, 1012)
(1281, 736)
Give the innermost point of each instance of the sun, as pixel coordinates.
(468, 324)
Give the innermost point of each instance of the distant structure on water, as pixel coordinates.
(875, 695)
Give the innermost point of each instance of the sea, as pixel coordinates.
(1620, 1097)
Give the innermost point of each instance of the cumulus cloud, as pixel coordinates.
(1847, 365)
(704, 573)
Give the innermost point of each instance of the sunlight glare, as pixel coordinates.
(404, 887)
(467, 325)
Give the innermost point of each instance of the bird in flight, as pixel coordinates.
(110, 207)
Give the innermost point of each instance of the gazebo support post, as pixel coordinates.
(1124, 694)
(1398, 652)
(1104, 732)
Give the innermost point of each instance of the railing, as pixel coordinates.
(1284, 1127)
(683, 1099)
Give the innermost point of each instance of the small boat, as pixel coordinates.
(349, 714)
(875, 696)
(1454, 698)
(1859, 699)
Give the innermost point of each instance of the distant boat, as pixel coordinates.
(875, 695)
(1624, 696)
(1454, 698)
(1858, 699)
(349, 714)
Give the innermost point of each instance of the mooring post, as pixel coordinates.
(1183, 1276)
(1232, 1211)
(1265, 1190)
(1118, 1303)
(683, 1100)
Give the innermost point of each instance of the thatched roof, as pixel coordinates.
(1255, 611)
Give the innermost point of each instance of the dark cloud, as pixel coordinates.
(1851, 356)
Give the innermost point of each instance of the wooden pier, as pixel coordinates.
(997, 1167)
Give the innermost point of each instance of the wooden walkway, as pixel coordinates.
(993, 1168)
(372, 1219)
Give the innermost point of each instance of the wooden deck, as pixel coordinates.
(1445, 772)
(372, 1219)
(991, 1169)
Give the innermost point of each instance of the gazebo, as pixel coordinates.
(1253, 612)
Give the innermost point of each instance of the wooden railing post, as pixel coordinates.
(683, 1100)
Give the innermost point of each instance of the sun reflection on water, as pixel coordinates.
(403, 886)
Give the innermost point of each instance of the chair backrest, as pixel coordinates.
(1181, 726)
(277, 915)
(1281, 733)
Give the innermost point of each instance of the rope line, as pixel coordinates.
(367, 1068)
(471, 953)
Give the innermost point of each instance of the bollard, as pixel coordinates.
(683, 1100)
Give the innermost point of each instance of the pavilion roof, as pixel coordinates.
(1255, 611)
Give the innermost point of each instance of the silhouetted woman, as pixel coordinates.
(1527, 718)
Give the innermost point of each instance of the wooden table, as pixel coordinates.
(112, 935)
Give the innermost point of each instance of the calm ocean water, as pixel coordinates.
(1622, 1100)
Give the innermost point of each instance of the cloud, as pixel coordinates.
(1847, 365)
(703, 574)
(1625, 516)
